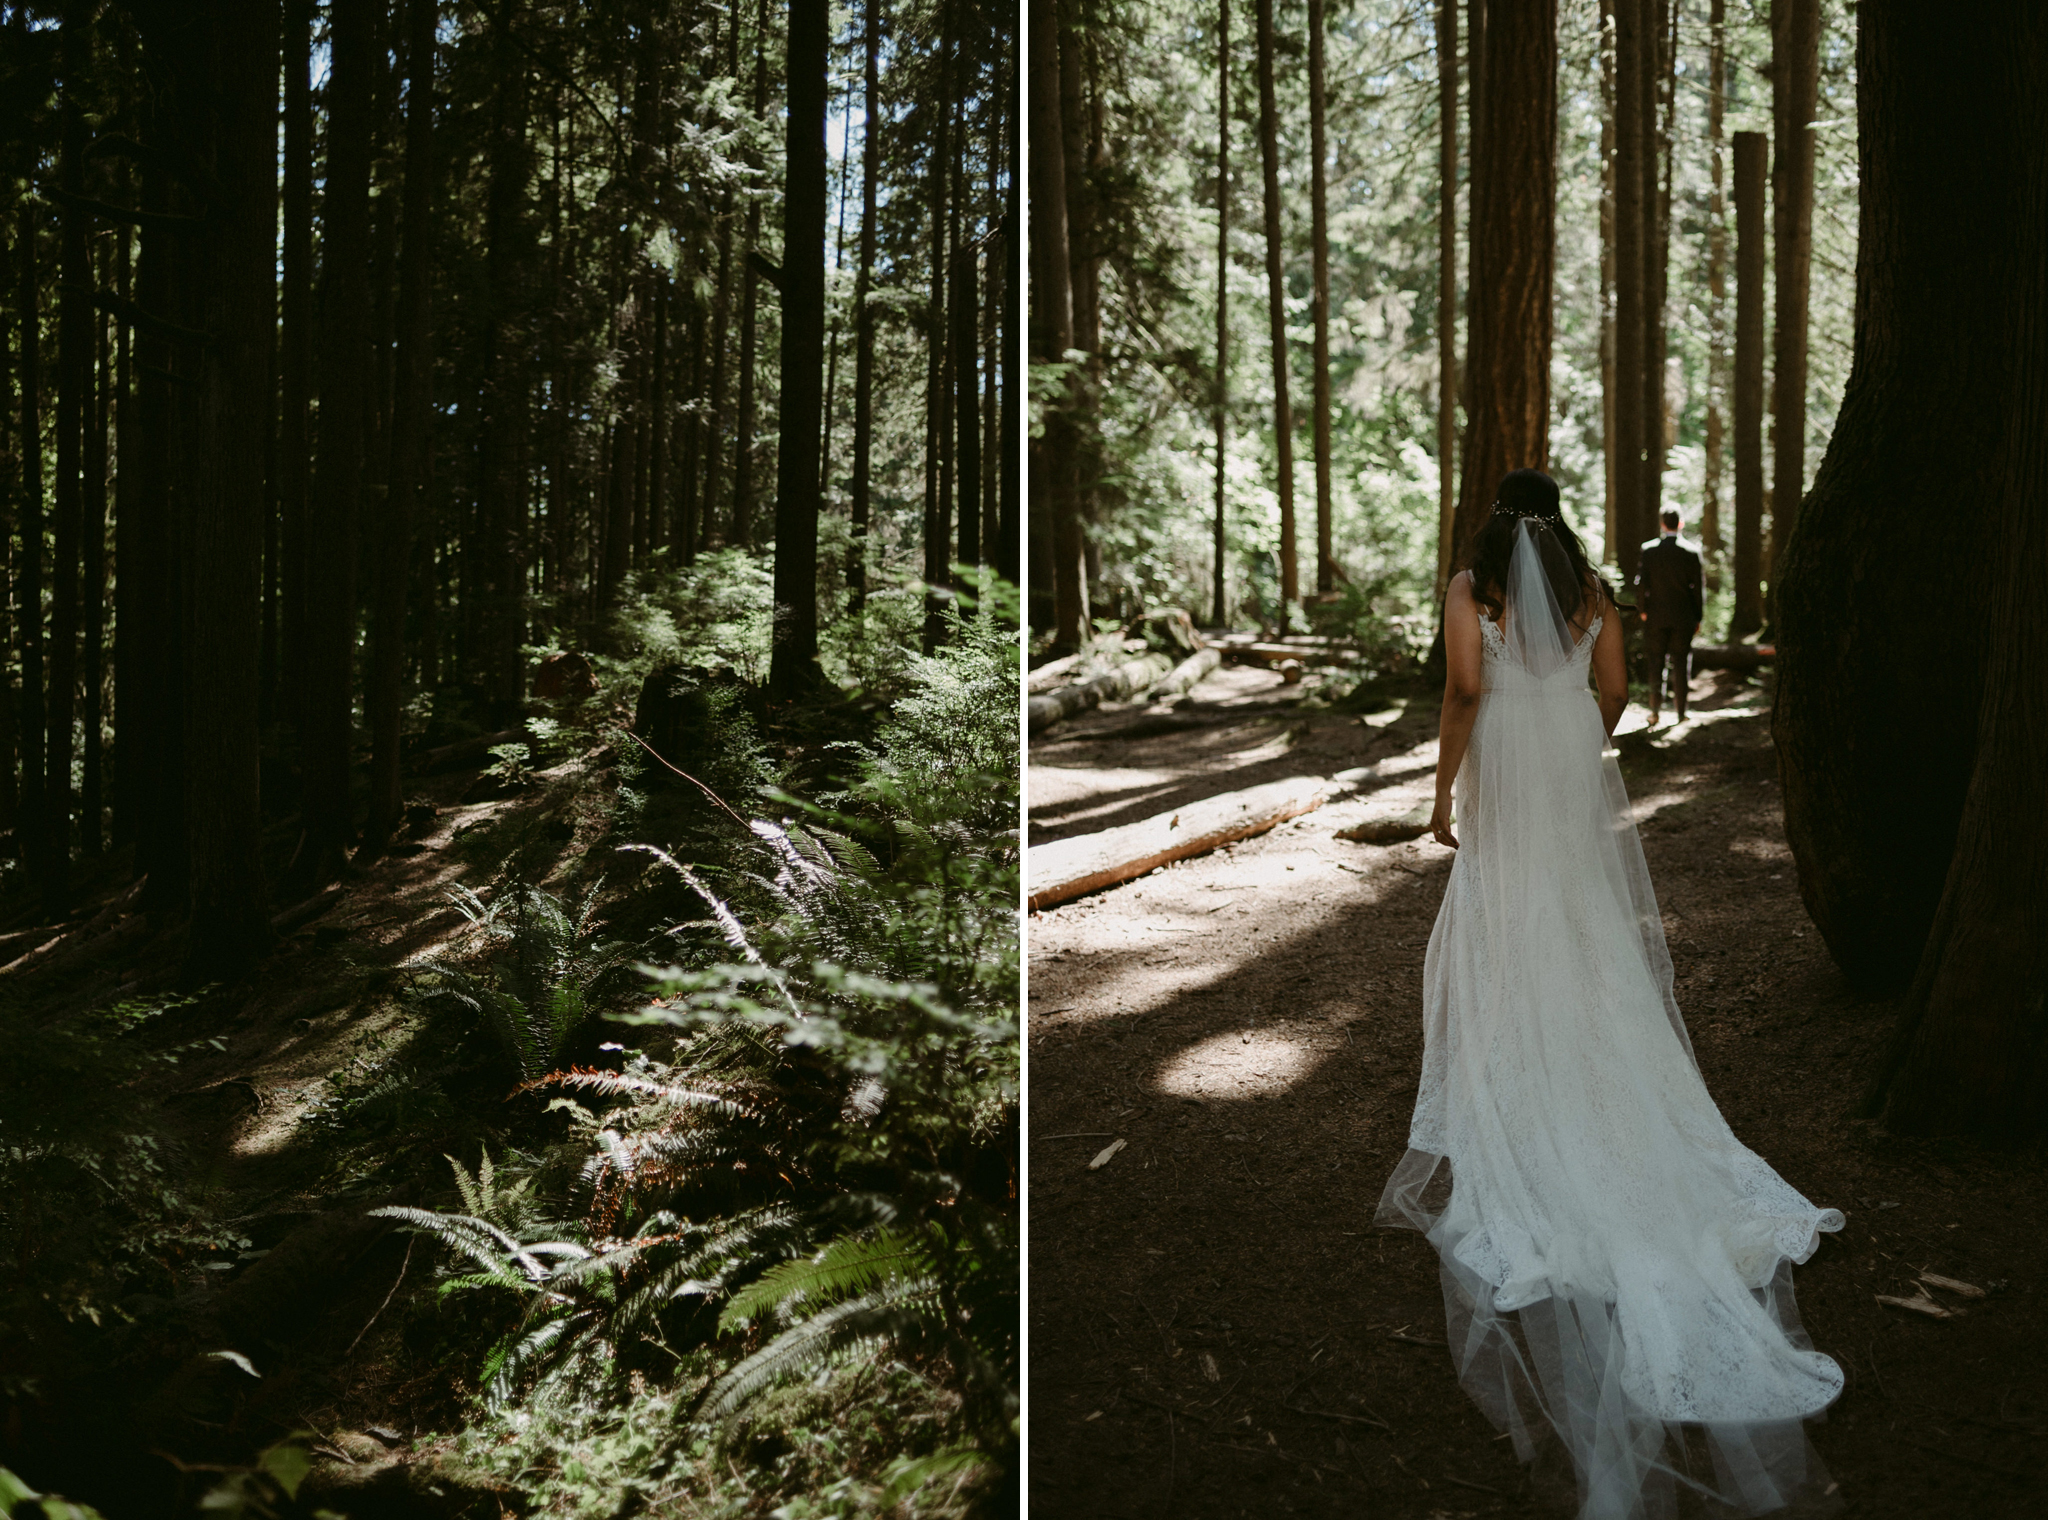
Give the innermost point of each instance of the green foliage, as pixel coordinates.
(827, 1156)
(1152, 382)
(537, 998)
(714, 613)
(509, 764)
(90, 1211)
(947, 757)
(16, 1497)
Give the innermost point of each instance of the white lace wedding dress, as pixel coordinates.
(1616, 1264)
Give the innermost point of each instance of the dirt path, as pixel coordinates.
(1217, 1329)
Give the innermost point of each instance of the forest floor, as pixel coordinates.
(320, 1295)
(1216, 1326)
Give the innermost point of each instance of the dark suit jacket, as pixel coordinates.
(1668, 585)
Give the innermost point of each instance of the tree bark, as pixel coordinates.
(1079, 128)
(832, 333)
(936, 536)
(1276, 305)
(1319, 237)
(965, 297)
(1658, 87)
(1968, 1055)
(1010, 527)
(1717, 286)
(152, 718)
(326, 812)
(860, 507)
(411, 399)
(74, 385)
(92, 599)
(794, 660)
(1795, 96)
(1514, 193)
(230, 927)
(31, 827)
(498, 554)
(1055, 472)
(1631, 289)
(1880, 716)
(742, 532)
(295, 354)
(1446, 290)
(1219, 614)
(1751, 149)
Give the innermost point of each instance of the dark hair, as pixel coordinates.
(1669, 519)
(1531, 495)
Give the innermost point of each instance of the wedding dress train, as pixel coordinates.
(1615, 1263)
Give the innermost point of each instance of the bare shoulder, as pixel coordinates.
(1459, 593)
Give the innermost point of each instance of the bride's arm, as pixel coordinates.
(1461, 699)
(1610, 671)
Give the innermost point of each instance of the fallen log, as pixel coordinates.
(465, 753)
(1125, 680)
(1732, 656)
(1051, 673)
(1067, 868)
(1188, 673)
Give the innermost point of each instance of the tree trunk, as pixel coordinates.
(1631, 288)
(832, 334)
(127, 449)
(92, 601)
(658, 417)
(338, 476)
(74, 387)
(1276, 306)
(411, 399)
(1717, 287)
(742, 534)
(860, 508)
(295, 354)
(501, 496)
(936, 537)
(229, 927)
(1659, 87)
(152, 723)
(1514, 192)
(965, 296)
(1055, 472)
(1880, 717)
(31, 827)
(1010, 528)
(1219, 614)
(1795, 96)
(794, 665)
(1319, 237)
(1446, 289)
(1751, 149)
(1968, 1055)
(1085, 260)
(715, 431)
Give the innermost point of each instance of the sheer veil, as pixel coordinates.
(1616, 1265)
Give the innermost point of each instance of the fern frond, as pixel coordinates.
(882, 1267)
(469, 1280)
(835, 1332)
(612, 1084)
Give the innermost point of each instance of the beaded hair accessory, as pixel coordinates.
(1547, 518)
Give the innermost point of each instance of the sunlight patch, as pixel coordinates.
(1237, 1066)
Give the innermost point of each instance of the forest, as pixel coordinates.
(509, 776)
(1307, 279)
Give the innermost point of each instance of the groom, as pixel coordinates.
(1671, 602)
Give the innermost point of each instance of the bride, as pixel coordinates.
(1616, 1264)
